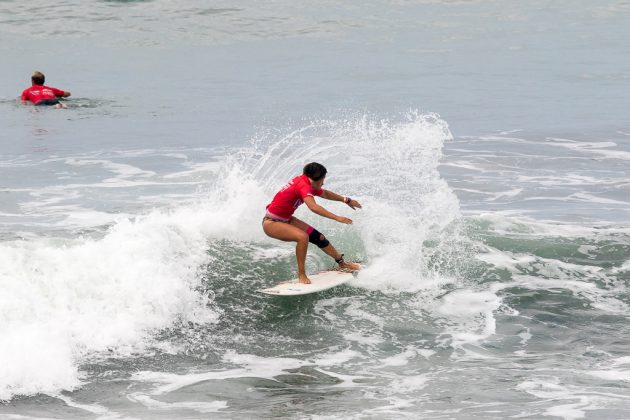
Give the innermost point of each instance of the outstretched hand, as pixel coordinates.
(354, 204)
(344, 220)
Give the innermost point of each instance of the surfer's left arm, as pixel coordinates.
(317, 209)
(329, 195)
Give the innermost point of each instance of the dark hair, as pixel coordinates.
(315, 171)
(38, 78)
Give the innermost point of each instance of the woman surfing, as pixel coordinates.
(279, 222)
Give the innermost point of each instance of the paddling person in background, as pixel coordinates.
(39, 94)
(279, 222)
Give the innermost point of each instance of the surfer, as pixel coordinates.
(43, 95)
(279, 222)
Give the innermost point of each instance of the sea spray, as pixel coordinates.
(391, 166)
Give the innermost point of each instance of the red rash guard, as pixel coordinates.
(290, 197)
(38, 93)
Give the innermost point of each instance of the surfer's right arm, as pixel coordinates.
(317, 209)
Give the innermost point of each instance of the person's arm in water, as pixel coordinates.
(329, 195)
(61, 93)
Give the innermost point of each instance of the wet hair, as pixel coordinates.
(315, 171)
(38, 78)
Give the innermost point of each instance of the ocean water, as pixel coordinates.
(488, 142)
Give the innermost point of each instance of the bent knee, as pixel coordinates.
(317, 238)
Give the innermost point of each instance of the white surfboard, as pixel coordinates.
(320, 281)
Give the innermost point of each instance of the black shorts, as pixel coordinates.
(51, 101)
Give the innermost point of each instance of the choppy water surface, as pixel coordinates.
(487, 141)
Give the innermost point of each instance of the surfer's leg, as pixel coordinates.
(289, 233)
(338, 257)
(328, 248)
(351, 266)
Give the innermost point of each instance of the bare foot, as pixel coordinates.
(303, 279)
(350, 266)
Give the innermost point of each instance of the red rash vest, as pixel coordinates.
(291, 196)
(38, 93)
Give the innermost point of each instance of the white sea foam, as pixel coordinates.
(469, 315)
(590, 198)
(611, 375)
(247, 366)
(198, 406)
(604, 299)
(570, 180)
(98, 409)
(580, 279)
(337, 358)
(196, 169)
(569, 402)
(506, 194)
(601, 149)
(550, 391)
(625, 267)
(122, 170)
(65, 301)
(401, 359)
(462, 165)
(514, 224)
